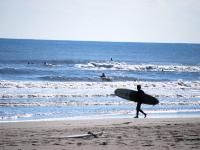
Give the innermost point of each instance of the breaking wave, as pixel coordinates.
(90, 103)
(45, 89)
(134, 67)
(103, 85)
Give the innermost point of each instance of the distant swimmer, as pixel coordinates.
(103, 75)
(30, 63)
(111, 59)
(140, 93)
(104, 78)
(49, 64)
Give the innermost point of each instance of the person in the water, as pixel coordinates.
(103, 75)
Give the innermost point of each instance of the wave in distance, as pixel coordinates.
(134, 67)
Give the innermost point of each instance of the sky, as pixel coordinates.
(171, 21)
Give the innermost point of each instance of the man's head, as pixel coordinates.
(139, 87)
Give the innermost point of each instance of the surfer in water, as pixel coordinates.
(103, 75)
(139, 103)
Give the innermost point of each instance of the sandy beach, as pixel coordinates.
(153, 133)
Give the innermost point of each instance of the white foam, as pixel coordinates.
(134, 67)
(44, 89)
(92, 103)
(88, 85)
(15, 117)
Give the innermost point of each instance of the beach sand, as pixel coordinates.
(123, 134)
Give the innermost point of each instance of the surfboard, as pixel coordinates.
(106, 79)
(131, 95)
(85, 135)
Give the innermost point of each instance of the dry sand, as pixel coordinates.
(176, 133)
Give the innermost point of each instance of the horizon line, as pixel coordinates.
(34, 39)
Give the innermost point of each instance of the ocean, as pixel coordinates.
(60, 80)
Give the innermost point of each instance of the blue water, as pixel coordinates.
(29, 67)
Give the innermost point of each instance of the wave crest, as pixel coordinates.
(45, 89)
(134, 67)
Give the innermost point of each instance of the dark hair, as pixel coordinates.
(138, 87)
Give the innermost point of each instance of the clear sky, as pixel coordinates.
(102, 20)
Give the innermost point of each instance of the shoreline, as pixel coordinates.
(100, 120)
(171, 115)
(120, 133)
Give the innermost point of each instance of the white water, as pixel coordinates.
(43, 89)
(134, 67)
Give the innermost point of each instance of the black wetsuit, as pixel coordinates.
(140, 93)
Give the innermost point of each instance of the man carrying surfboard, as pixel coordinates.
(140, 94)
(137, 96)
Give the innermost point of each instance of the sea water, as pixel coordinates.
(46, 79)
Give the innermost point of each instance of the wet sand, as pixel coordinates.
(149, 133)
